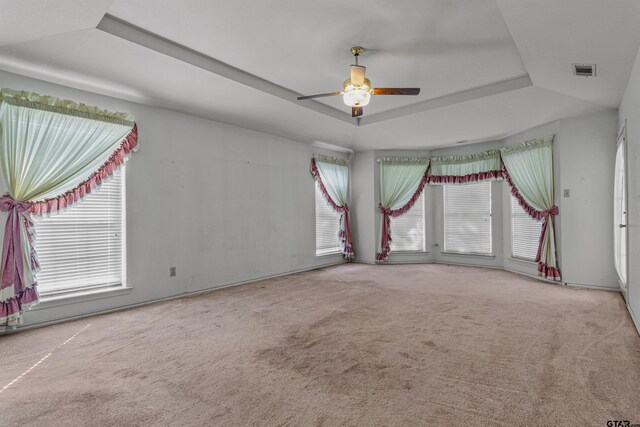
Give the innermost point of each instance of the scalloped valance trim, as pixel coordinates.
(118, 158)
(467, 158)
(330, 159)
(531, 144)
(62, 106)
(464, 179)
(404, 160)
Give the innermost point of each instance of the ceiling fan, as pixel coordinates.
(357, 89)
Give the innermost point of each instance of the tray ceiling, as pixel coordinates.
(486, 68)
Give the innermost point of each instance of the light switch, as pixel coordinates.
(567, 193)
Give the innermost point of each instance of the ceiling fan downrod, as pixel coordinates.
(356, 51)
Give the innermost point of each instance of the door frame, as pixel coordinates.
(622, 139)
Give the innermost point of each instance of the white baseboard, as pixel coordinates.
(600, 288)
(153, 301)
(555, 282)
(635, 319)
(406, 262)
(468, 264)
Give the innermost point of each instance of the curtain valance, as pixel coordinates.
(331, 160)
(528, 169)
(52, 152)
(467, 168)
(404, 161)
(332, 176)
(402, 180)
(63, 106)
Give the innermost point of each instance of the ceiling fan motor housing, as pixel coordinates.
(357, 74)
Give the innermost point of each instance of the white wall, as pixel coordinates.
(363, 206)
(630, 112)
(221, 203)
(584, 155)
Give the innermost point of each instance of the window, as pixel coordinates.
(407, 231)
(525, 233)
(83, 247)
(327, 226)
(467, 218)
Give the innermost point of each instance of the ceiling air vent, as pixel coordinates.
(584, 70)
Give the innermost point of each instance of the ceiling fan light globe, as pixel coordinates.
(357, 95)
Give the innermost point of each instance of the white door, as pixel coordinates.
(620, 214)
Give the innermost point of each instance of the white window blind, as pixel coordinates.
(407, 231)
(83, 247)
(467, 218)
(525, 233)
(327, 226)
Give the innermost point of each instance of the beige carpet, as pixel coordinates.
(349, 345)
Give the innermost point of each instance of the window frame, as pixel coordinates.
(319, 197)
(422, 199)
(99, 288)
(489, 254)
(513, 202)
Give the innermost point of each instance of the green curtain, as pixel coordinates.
(402, 181)
(332, 176)
(529, 172)
(52, 153)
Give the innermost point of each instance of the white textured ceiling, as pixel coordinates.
(553, 35)
(23, 20)
(448, 48)
(441, 46)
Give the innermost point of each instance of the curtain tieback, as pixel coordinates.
(12, 262)
(8, 203)
(384, 210)
(551, 211)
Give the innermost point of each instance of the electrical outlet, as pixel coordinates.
(435, 245)
(567, 193)
(172, 271)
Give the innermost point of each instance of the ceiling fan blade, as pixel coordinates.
(320, 95)
(357, 74)
(356, 111)
(396, 91)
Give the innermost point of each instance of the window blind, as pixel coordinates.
(525, 233)
(327, 226)
(407, 231)
(83, 247)
(467, 218)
